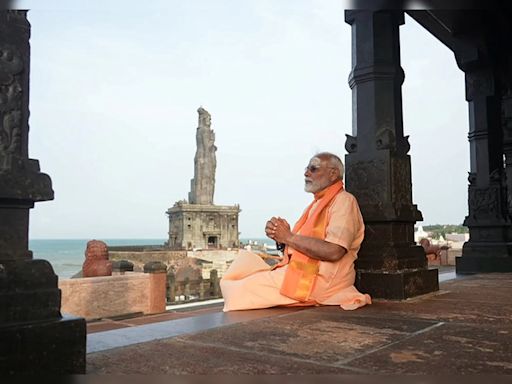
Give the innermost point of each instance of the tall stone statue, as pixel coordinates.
(202, 186)
(198, 223)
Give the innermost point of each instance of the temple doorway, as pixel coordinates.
(212, 242)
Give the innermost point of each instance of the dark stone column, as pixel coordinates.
(34, 337)
(506, 110)
(489, 248)
(390, 265)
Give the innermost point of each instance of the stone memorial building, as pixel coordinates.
(198, 223)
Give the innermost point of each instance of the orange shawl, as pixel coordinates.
(302, 270)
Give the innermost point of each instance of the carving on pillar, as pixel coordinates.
(351, 144)
(202, 186)
(404, 146)
(401, 176)
(365, 178)
(483, 203)
(11, 65)
(472, 178)
(385, 138)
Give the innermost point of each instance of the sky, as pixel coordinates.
(115, 89)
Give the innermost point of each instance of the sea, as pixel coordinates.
(67, 255)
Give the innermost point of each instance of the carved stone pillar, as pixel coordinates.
(390, 265)
(34, 337)
(489, 248)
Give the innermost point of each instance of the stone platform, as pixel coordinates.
(466, 328)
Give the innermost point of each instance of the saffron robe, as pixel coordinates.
(302, 271)
(250, 283)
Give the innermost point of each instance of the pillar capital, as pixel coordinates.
(351, 15)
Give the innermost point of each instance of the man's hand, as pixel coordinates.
(278, 229)
(269, 228)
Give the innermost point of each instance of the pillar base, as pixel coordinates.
(482, 264)
(484, 257)
(44, 347)
(397, 285)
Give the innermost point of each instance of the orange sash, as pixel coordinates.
(302, 270)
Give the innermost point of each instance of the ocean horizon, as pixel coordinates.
(67, 255)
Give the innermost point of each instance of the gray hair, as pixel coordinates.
(334, 161)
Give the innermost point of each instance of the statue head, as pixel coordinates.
(204, 117)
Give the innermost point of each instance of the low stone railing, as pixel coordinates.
(121, 294)
(192, 290)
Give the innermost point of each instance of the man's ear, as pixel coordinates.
(334, 174)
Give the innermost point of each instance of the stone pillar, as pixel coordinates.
(157, 286)
(186, 288)
(201, 290)
(34, 337)
(506, 122)
(390, 265)
(489, 248)
(215, 283)
(171, 287)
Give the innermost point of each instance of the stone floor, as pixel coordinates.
(465, 328)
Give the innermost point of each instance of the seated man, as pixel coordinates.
(318, 262)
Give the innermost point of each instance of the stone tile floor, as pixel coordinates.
(465, 328)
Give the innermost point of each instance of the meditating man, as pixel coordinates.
(319, 254)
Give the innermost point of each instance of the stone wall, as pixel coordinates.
(140, 258)
(187, 290)
(220, 260)
(108, 296)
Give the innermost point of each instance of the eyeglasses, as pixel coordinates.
(314, 168)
